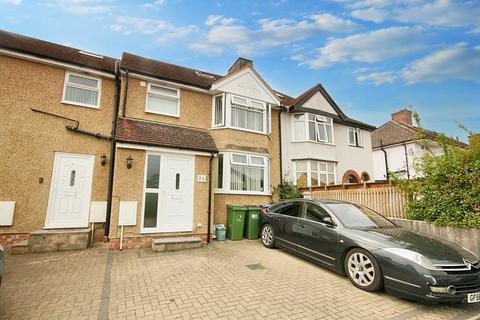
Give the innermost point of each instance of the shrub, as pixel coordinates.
(287, 190)
(448, 194)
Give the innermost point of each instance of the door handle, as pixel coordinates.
(303, 225)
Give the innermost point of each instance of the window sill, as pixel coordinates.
(316, 142)
(80, 104)
(163, 114)
(240, 129)
(361, 147)
(252, 193)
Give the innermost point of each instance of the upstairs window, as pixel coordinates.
(312, 127)
(355, 137)
(219, 110)
(237, 112)
(247, 114)
(163, 100)
(82, 90)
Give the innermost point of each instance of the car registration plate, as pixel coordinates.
(473, 297)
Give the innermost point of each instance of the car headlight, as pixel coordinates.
(412, 256)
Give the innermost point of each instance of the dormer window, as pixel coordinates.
(81, 90)
(355, 137)
(312, 127)
(163, 100)
(241, 113)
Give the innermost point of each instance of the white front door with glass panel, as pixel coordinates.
(70, 191)
(168, 198)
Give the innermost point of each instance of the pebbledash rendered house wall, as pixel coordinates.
(31, 139)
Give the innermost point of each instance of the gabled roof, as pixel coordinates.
(243, 68)
(167, 71)
(301, 99)
(394, 132)
(48, 50)
(295, 105)
(164, 135)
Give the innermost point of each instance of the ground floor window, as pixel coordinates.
(313, 173)
(242, 172)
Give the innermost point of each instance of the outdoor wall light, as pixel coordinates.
(129, 162)
(103, 159)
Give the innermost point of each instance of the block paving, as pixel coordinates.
(212, 282)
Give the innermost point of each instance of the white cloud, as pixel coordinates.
(368, 47)
(378, 78)
(165, 30)
(231, 33)
(14, 2)
(83, 6)
(214, 19)
(447, 13)
(154, 4)
(205, 48)
(376, 15)
(455, 62)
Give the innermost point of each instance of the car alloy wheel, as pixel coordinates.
(267, 236)
(363, 270)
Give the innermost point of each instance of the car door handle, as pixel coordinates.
(302, 225)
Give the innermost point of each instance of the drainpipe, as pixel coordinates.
(406, 160)
(280, 138)
(386, 159)
(209, 197)
(113, 144)
(124, 105)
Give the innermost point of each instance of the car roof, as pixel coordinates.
(322, 201)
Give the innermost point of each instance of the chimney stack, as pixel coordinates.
(239, 64)
(404, 116)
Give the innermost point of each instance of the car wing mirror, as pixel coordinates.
(328, 221)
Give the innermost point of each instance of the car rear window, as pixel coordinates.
(354, 216)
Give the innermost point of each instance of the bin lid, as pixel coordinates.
(236, 207)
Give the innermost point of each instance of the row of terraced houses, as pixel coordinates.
(157, 148)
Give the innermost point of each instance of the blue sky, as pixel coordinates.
(373, 56)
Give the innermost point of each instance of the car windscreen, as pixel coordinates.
(354, 216)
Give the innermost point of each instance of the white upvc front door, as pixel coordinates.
(70, 191)
(168, 196)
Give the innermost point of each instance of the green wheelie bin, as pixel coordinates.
(252, 221)
(235, 221)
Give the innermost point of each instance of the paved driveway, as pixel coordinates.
(208, 283)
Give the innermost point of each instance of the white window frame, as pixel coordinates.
(66, 84)
(214, 110)
(228, 161)
(306, 120)
(227, 109)
(358, 133)
(317, 171)
(165, 96)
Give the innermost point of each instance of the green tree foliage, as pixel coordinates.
(449, 192)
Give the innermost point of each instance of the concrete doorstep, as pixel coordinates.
(176, 243)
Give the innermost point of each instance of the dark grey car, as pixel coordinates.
(372, 251)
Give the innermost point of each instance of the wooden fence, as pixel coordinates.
(389, 201)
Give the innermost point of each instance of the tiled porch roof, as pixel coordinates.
(164, 135)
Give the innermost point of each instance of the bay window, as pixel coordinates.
(81, 90)
(355, 137)
(312, 127)
(242, 173)
(163, 100)
(312, 173)
(241, 113)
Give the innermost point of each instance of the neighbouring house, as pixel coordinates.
(157, 148)
(397, 144)
(320, 144)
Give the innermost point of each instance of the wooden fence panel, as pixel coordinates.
(388, 201)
